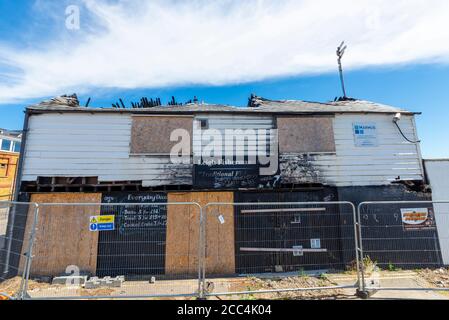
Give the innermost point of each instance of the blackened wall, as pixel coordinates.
(277, 229)
(384, 238)
(137, 245)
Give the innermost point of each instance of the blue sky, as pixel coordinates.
(398, 54)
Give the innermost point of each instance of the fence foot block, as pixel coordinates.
(365, 294)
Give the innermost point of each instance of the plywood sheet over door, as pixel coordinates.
(63, 237)
(183, 234)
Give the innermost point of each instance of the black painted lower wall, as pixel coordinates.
(279, 230)
(384, 238)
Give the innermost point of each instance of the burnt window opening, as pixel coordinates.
(204, 124)
(3, 170)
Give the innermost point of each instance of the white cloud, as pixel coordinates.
(137, 44)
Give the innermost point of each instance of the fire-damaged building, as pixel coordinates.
(345, 150)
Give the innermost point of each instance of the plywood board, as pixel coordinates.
(63, 237)
(183, 234)
(8, 169)
(151, 134)
(305, 134)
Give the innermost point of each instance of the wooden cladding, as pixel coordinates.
(8, 168)
(183, 234)
(63, 238)
(151, 134)
(305, 134)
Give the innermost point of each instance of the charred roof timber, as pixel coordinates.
(152, 103)
(256, 105)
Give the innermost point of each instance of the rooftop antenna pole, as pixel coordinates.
(340, 52)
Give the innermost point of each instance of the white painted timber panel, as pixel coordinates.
(380, 165)
(438, 175)
(98, 145)
(77, 145)
(221, 123)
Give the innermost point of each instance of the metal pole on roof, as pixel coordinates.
(340, 52)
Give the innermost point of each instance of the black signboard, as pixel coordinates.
(231, 177)
(137, 245)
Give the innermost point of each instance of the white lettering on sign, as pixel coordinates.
(102, 223)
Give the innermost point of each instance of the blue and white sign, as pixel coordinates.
(102, 223)
(365, 135)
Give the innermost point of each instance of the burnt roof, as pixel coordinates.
(258, 105)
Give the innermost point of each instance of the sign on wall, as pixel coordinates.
(101, 223)
(231, 176)
(365, 134)
(136, 219)
(137, 244)
(417, 219)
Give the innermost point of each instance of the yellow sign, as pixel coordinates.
(102, 223)
(105, 219)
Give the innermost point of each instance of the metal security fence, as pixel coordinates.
(148, 250)
(401, 242)
(273, 248)
(15, 246)
(115, 250)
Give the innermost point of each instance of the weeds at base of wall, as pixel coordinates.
(369, 266)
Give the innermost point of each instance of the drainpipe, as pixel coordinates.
(418, 149)
(21, 156)
(12, 213)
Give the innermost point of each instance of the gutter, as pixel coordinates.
(195, 112)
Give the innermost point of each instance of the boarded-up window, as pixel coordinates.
(3, 168)
(305, 134)
(151, 134)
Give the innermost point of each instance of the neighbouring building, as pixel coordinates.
(437, 171)
(349, 150)
(9, 155)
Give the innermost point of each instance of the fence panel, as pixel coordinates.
(107, 250)
(273, 248)
(15, 250)
(402, 243)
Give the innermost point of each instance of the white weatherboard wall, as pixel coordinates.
(378, 165)
(221, 123)
(438, 175)
(88, 145)
(98, 144)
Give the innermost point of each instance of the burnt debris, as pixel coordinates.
(151, 103)
(255, 101)
(338, 99)
(68, 100)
